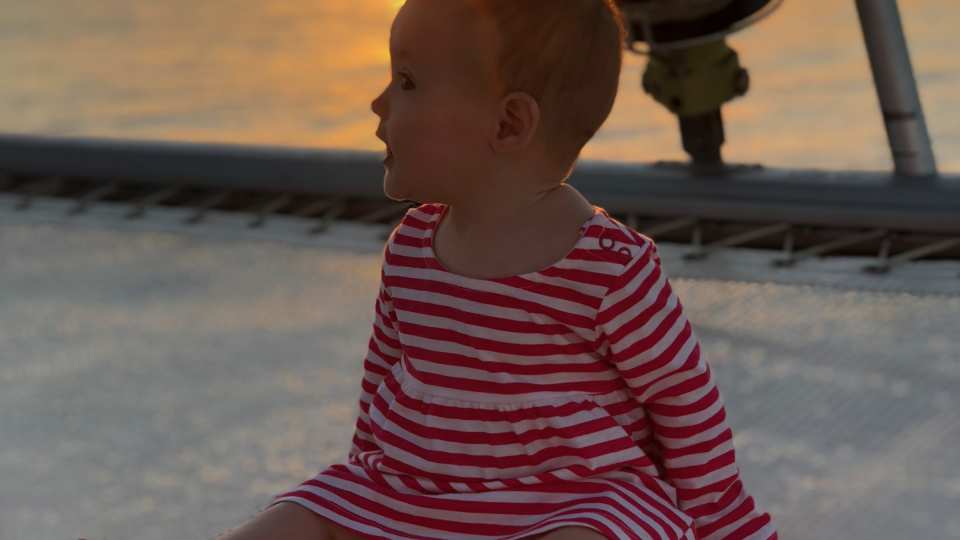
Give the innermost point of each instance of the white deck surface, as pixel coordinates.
(161, 382)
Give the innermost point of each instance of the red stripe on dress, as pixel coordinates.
(643, 520)
(372, 367)
(491, 438)
(337, 509)
(699, 448)
(463, 361)
(615, 310)
(752, 526)
(380, 337)
(384, 313)
(552, 290)
(663, 504)
(730, 494)
(687, 494)
(444, 525)
(410, 241)
(508, 389)
(697, 471)
(627, 405)
(538, 458)
(617, 235)
(652, 339)
(640, 320)
(431, 208)
(690, 430)
(406, 468)
(481, 320)
(519, 349)
(580, 275)
(702, 404)
(413, 221)
(471, 506)
(665, 358)
(495, 300)
(449, 411)
(728, 519)
(689, 385)
(603, 256)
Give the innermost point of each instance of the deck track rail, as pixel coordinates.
(795, 214)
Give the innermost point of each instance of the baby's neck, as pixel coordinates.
(476, 219)
(514, 239)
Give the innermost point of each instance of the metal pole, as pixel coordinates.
(896, 88)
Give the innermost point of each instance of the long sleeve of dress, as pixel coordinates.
(383, 352)
(655, 349)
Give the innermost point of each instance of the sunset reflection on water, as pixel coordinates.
(303, 74)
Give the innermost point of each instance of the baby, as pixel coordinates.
(530, 373)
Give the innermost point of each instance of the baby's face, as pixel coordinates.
(439, 108)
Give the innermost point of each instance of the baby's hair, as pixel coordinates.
(567, 54)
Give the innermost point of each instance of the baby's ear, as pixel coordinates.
(517, 121)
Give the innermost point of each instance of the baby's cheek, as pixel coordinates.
(451, 132)
(448, 123)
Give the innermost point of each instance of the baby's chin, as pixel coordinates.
(392, 188)
(396, 188)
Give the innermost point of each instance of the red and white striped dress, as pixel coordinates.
(505, 408)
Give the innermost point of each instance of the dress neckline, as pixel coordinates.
(435, 224)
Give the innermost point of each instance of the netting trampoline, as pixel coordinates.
(164, 382)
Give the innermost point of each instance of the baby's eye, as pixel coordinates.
(404, 79)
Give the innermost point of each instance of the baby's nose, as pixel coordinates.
(377, 105)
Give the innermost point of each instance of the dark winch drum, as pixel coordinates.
(683, 23)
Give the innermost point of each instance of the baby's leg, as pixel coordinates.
(289, 521)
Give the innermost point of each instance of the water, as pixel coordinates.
(303, 73)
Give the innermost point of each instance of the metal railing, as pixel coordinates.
(797, 213)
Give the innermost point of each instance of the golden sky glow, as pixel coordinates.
(304, 73)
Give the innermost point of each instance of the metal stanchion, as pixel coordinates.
(896, 88)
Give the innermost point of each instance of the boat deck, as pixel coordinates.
(161, 382)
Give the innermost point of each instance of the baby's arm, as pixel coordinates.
(654, 347)
(383, 352)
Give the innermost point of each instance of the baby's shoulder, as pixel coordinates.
(615, 242)
(422, 215)
(415, 222)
